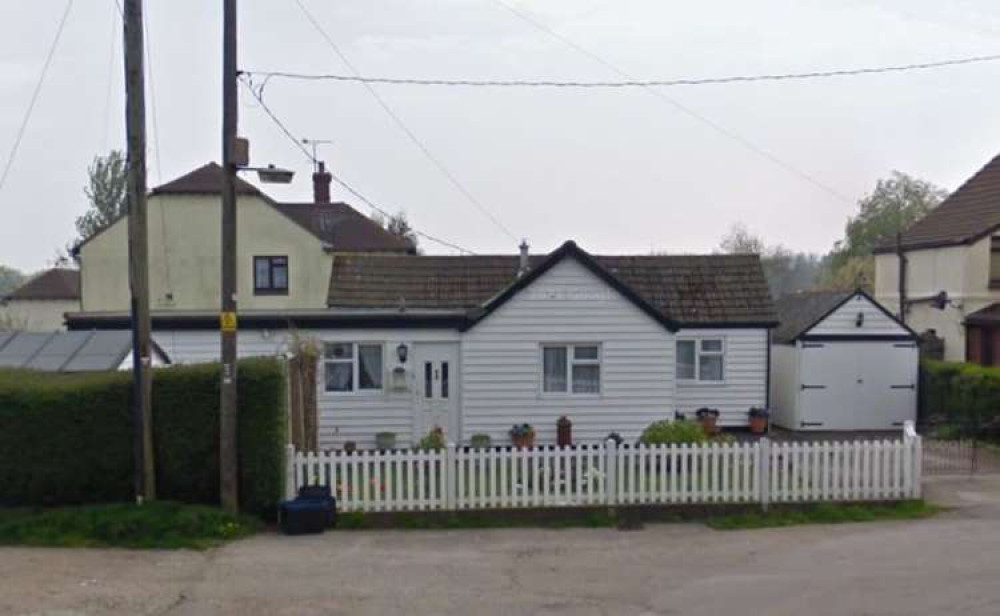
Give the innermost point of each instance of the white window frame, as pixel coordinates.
(570, 362)
(698, 353)
(355, 361)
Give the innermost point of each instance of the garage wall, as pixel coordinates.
(843, 321)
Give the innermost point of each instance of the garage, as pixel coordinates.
(840, 361)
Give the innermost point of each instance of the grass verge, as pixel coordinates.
(826, 513)
(156, 525)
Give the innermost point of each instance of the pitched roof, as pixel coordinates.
(710, 289)
(338, 224)
(205, 180)
(53, 284)
(971, 212)
(343, 227)
(990, 315)
(798, 312)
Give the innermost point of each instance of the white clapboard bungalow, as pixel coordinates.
(475, 344)
(842, 362)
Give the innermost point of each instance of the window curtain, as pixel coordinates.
(339, 376)
(554, 369)
(370, 368)
(586, 379)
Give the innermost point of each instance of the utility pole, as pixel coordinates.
(138, 253)
(228, 458)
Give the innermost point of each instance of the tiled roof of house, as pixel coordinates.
(971, 212)
(338, 224)
(797, 312)
(343, 227)
(53, 284)
(684, 289)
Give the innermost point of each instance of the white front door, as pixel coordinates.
(436, 378)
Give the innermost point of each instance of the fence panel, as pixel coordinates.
(608, 474)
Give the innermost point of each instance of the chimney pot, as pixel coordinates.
(524, 264)
(321, 183)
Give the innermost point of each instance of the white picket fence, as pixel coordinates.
(459, 478)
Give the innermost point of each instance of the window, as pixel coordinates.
(351, 367)
(701, 360)
(571, 369)
(270, 275)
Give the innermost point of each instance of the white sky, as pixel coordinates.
(619, 171)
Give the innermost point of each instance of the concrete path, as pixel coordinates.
(945, 565)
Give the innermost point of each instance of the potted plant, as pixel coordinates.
(350, 447)
(709, 420)
(480, 441)
(523, 435)
(434, 441)
(564, 432)
(385, 441)
(758, 420)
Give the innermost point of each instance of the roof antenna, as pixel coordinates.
(315, 144)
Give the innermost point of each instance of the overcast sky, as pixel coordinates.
(618, 171)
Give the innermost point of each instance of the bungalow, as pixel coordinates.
(40, 303)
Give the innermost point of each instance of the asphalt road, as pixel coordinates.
(946, 565)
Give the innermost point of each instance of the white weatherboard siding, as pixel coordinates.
(745, 376)
(843, 321)
(502, 361)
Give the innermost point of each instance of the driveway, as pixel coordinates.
(945, 565)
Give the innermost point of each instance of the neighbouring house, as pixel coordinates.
(474, 344)
(841, 361)
(951, 271)
(71, 351)
(41, 303)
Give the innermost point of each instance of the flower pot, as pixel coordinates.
(758, 425)
(350, 447)
(385, 441)
(564, 432)
(709, 423)
(524, 441)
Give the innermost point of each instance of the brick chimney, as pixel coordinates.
(321, 184)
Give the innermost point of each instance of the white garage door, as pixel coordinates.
(858, 385)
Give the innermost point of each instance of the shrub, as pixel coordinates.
(964, 395)
(668, 432)
(434, 441)
(480, 441)
(67, 439)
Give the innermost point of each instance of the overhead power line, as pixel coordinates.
(437, 162)
(256, 93)
(629, 83)
(34, 95)
(712, 124)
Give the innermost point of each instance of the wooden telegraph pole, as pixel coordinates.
(138, 252)
(228, 456)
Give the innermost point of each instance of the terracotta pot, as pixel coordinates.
(564, 433)
(709, 424)
(758, 425)
(525, 441)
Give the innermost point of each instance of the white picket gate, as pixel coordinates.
(605, 474)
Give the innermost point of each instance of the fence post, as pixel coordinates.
(611, 473)
(764, 472)
(450, 472)
(915, 443)
(289, 472)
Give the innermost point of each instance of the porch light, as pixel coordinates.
(401, 352)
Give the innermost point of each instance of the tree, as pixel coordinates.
(107, 192)
(854, 273)
(786, 271)
(399, 225)
(896, 203)
(10, 279)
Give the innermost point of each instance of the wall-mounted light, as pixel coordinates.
(860, 320)
(401, 352)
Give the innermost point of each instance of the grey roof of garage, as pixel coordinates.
(798, 312)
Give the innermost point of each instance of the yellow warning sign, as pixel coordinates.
(227, 322)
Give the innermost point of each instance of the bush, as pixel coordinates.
(964, 395)
(434, 441)
(667, 432)
(67, 439)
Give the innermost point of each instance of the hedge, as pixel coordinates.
(67, 439)
(963, 395)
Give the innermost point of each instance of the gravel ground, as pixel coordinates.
(944, 565)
